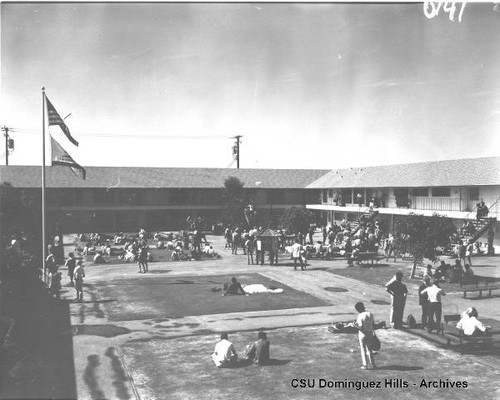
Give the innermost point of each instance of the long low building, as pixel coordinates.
(451, 188)
(115, 199)
(126, 198)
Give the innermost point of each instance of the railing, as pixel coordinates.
(438, 203)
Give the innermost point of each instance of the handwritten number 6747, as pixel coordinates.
(432, 8)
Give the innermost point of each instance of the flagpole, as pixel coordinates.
(44, 256)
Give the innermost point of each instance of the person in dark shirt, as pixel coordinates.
(258, 352)
(398, 291)
(71, 264)
(234, 288)
(442, 271)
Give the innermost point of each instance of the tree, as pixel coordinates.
(297, 219)
(425, 235)
(233, 199)
(17, 214)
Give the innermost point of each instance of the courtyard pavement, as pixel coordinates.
(150, 336)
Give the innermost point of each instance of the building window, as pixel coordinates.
(402, 197)
(420, 192)
(441, 192)
(474, 193)
(325, 196)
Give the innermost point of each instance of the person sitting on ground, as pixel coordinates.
(99, 259)
(224, 354)
(470, 325)
(234, 288)
(209, 250)
(442, 271)
(176, 254)
(258, 352)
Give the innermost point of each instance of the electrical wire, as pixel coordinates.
(122, 136)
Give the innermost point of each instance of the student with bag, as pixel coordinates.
(368, 341)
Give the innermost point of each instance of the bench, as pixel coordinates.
(368, 256)
(479, 287)
(455, 335)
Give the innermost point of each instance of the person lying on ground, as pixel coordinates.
(234, 288)
(258, 352)
(224, 354)
(470, 325)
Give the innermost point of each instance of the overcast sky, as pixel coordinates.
(317, 86)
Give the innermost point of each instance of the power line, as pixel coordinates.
(123, 136)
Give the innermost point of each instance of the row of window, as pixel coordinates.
(75, 197)
(349, 194)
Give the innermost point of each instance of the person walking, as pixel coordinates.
(78, 275)
(70, 265)
(435, 307)
(364, 323)
(398, 291)
(296, 254)
(423, 300)
(249, 244)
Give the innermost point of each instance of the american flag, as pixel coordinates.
(55, 119)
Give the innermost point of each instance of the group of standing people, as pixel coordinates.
(76, 273)
(430, 295)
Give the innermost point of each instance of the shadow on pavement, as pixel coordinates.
(37, 354)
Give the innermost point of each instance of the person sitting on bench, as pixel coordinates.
(470, 325)
(234, 288)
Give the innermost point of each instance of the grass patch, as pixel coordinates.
(178, 297)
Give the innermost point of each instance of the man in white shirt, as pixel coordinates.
(364, 323)
(470, 325)
(224, 354)
(434, 294)
(296, 249)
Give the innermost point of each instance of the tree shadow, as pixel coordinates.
(400, 368)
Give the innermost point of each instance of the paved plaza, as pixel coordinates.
(150, 336)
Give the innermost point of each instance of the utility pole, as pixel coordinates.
(236, 150)
(8, 143)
